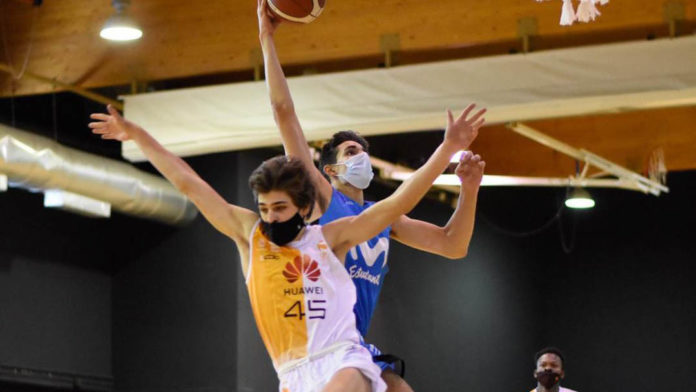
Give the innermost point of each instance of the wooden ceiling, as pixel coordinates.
(216, 41)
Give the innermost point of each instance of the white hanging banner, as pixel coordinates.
(520, 87)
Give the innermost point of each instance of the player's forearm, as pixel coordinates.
(173, 168)
(416, 186)
(283, 107)
(404, 199)
(387, 211)
(460, 228)
(275, 77)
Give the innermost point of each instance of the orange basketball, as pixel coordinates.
(300, 11)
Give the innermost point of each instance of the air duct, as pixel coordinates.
(37, 163)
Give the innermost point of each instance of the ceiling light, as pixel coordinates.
(120, 26)
(579, 198)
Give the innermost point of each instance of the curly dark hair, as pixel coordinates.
(283, 173)
(330, 150)
(549, 350)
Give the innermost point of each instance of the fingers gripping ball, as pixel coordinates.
(300, 11)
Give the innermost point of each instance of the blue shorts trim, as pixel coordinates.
(374, 351)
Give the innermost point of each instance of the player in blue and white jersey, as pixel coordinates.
(346, 171)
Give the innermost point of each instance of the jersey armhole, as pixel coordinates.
(251, 252)
(320, 233)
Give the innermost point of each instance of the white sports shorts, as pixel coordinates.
(311, 374)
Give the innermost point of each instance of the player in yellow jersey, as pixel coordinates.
(301, 295)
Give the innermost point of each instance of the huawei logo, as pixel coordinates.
(302, 265)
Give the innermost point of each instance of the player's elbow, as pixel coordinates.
(456, 255)
(457, 252)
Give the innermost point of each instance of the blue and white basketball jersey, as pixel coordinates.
(366, 263)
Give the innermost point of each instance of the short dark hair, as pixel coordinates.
(549, 350)
(283, 173)
(330, 150)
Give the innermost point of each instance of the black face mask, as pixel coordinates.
(548, 378)
(280, 233)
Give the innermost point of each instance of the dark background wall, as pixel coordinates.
(449, 319)
(55, 267)
(175, 304)
(622, 304)
(55, 289)
(162, 308)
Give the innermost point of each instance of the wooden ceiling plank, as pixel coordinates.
(65, 86)
(217, 37)
(627, 139)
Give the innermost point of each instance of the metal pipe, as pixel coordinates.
(546, 140)
(38, 163)
(640, 182)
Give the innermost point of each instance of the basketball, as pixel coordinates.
(299, 11)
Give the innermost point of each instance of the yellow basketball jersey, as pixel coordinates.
(301, 295)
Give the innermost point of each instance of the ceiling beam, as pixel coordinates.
(628, 139)
(58, 85)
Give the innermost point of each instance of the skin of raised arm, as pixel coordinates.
(233, 221)
(286, 119)
(347, 232)
(451, 240)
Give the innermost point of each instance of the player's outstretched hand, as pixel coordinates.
(111, 125)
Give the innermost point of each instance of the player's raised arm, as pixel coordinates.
(286, 119)
(348, 232)
(233, 221)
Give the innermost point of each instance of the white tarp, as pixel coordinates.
(559, 83)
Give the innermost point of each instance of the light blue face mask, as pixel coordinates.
(358, 171)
